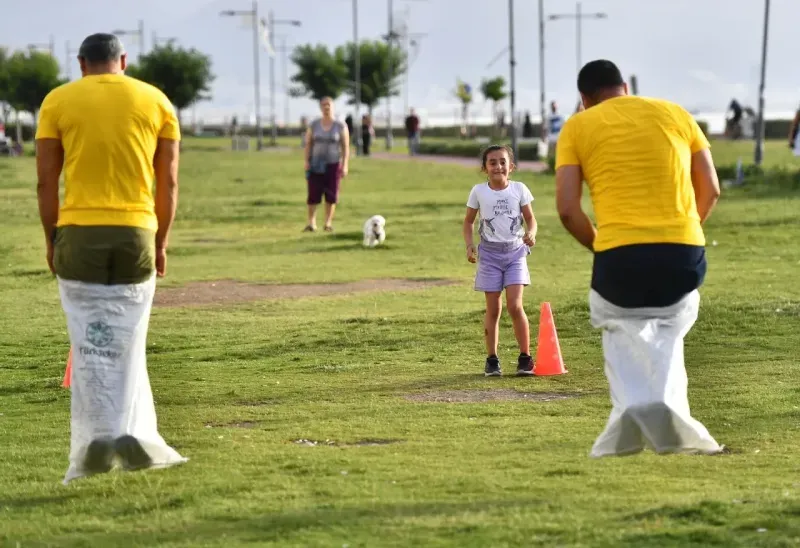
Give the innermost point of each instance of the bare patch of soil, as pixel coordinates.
(479, 396)
(224, 292)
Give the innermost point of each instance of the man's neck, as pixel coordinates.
(103, 71)
(611, 94)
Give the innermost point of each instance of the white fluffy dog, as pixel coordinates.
(374, 231)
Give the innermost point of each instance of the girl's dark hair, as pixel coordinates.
(495, 148)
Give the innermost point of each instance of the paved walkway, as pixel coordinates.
(537, 167)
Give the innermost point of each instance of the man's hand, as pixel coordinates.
(49, 162)
(529, 239)
(345, 169)
(472, 253)
(161, 262)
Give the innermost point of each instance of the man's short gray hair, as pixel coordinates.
(101, 48)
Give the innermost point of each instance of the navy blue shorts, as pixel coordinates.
(648, 275)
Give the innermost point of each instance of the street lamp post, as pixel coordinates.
(512, 63)
(50, 46)
(157, 40)
(579, 16)
(271, 22)
(138, 33)
(357, 71)
(389, 41)
(542, 99)
(759, 152)
(68, 60)
(253, 13)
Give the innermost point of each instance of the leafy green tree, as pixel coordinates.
(381, 67)
(319, 73)
(184, 75)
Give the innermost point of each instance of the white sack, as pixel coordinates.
(111, 394)
(643, 350)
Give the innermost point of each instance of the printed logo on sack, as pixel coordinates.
(99, 334)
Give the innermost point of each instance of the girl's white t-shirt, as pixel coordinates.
(500, 211)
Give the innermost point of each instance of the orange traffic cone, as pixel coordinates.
(548, 350)
(66, 383)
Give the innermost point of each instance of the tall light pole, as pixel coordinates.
(157, 40)
(357, 62)
(270, 23)
(579, 16)
(253, 14)
(285, 51)
(389, 38)
(68, 60)
(50, 46)
(512, 61)
(138, 33)
(759, 152)
(542, 100)
(389, 41)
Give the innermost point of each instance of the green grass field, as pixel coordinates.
(236, 386)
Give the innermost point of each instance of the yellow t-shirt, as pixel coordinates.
(636, 158)
(109, 126)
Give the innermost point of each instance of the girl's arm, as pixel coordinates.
(468, 230)
(530, 222)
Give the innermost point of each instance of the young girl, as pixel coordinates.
(503, 251)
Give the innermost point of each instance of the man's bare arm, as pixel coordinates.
(165, 163)
(569, 181)
(49, 163)
(705, 183)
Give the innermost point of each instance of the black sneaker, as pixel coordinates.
(524, 365)
(492, 368)
(99, 457)
(133, 455)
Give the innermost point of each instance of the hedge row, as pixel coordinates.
(472, 149)
(529, 152)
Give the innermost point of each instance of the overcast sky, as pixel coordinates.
(700, 53)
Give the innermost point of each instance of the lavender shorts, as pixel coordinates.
(501, 265)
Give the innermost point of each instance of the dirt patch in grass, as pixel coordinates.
(479, 396)
(224, 292)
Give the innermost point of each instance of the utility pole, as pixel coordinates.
(139, 33)
(270, 24)
(579, 16)
(759, 152)
(357, 62)
(389, 40)
(69, 60)
(512, 63)
(542, 99)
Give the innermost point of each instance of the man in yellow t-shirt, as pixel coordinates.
(652, 184)
(111, 135)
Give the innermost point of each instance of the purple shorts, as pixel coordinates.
(501, 265)
(324, 184)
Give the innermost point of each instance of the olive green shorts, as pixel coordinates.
(109, 255)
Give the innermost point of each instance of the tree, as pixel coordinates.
(184, 75)
(380, 69)
(492, 90)
(31, 76)
(319, 74)
(464, 94)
